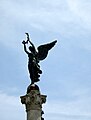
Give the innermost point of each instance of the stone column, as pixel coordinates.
(33, 101)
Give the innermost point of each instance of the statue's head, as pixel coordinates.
(31, 49)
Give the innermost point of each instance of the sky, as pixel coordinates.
(66, 78)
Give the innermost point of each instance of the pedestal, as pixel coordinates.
(33, 101)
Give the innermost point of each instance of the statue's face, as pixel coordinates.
(31, 49)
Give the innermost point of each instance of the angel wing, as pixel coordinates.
(43, 50)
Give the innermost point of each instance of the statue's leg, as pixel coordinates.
(38, 69)
(36, 74)
(31, 73)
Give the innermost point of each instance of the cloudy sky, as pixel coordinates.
(66, 78)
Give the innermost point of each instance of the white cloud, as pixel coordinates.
(75, 110)
(11, 108)
(63, 17)
(81, 9)
(45, 13)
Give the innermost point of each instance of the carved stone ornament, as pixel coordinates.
(33, 100)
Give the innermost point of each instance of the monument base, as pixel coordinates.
(33, 101)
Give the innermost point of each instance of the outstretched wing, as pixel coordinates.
(43, 50)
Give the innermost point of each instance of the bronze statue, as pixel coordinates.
(35, 57)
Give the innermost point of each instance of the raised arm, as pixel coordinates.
(28, 39)
(24, 43)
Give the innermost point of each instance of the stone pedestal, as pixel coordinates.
(33, 101)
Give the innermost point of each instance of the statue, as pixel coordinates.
(35, 57)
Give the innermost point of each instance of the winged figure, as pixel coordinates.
(35, 56)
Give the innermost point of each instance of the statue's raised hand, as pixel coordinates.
(24, 42)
